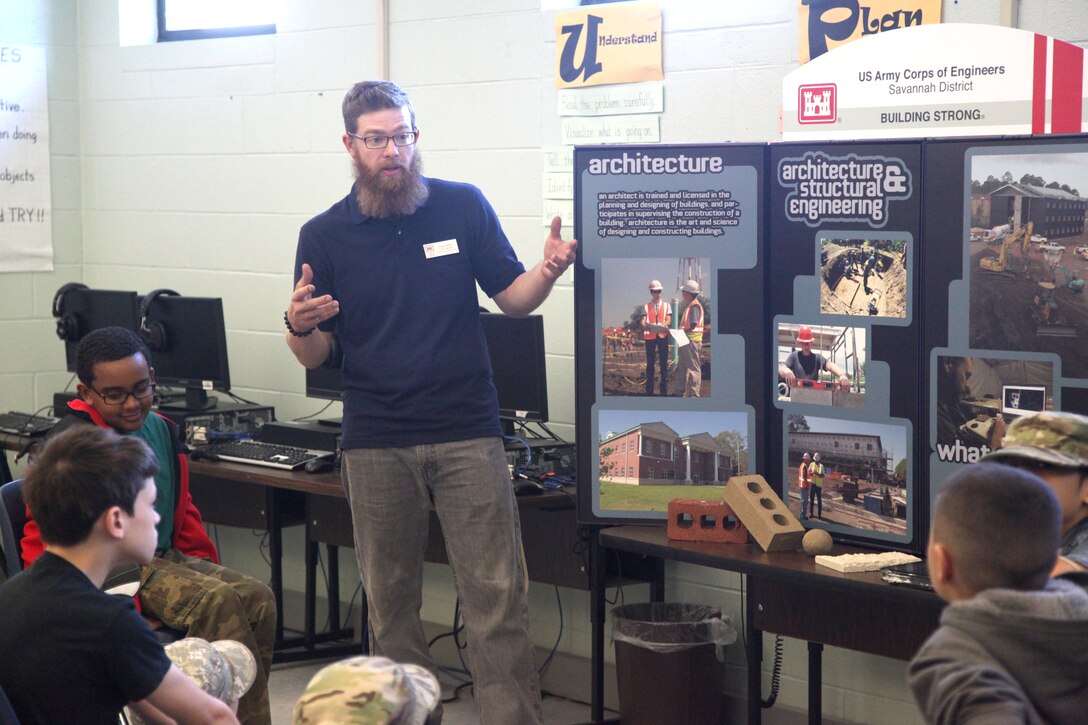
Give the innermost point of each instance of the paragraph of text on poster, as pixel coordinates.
(25, 196)
(705, 213)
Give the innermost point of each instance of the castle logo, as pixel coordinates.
(817, 103)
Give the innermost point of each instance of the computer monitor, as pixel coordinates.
(324, 383)
(518, 367)
(188, 341)
(1022, 399)
(516, 347)
(80, 310)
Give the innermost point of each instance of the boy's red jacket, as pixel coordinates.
(189, 534)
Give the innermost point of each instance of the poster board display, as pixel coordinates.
(687, 220)
(843, 231)
(1004, 270)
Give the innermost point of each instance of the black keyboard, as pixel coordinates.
(26, 424)
(260, 453)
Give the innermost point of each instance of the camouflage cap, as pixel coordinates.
(224, 669)
(1059, 439)
(368, 691)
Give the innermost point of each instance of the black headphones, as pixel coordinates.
(67, 325)
(154, 333)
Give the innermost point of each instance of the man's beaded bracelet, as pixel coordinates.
(295, 332)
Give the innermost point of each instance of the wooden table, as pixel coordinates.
(788, 594)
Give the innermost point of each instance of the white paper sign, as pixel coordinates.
(26, 212)
(558, 158)
(612, 100)
(558, 186)
(611, 129)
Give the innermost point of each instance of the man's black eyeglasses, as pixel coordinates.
(143, 391)
(380, 142)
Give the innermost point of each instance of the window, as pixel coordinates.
(193, 19)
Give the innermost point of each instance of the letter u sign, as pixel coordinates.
(568, 71)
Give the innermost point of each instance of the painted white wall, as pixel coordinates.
(192, 165)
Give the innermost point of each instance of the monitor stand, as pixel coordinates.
(195, 399)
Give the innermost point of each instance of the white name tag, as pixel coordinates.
(440, 249)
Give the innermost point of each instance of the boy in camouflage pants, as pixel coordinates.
(183, 586)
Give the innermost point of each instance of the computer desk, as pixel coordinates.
(558, 551)
(790, 595)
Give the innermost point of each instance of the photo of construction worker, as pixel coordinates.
(821, 364)
(848, 473)
(1026, 277)
(691, 322)
(655, 327)
(866, 277)
(977, 397)
(656, 321)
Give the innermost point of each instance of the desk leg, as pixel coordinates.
(275, 553)
(815, 683)
(596, 617)
(333, 588)
(754, 638)
(310, 632)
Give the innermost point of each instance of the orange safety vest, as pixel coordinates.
(655, 316)
(695, 332)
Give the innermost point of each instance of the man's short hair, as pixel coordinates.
(1002, 526)
(107, 344)
(79, 474)
(370, 96)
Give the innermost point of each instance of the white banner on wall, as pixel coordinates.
(25, 200)
(956, 79)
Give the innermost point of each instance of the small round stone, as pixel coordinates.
(816, 541)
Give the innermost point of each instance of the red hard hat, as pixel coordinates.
(804, 334)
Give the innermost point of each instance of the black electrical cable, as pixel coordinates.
(776, 665)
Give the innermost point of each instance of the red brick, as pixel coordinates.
(694, 520)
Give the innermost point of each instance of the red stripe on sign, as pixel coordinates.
(1065, 105)
(1038, 86)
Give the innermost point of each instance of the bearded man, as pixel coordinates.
(388, 277)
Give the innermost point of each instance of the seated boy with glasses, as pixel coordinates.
(183, 586)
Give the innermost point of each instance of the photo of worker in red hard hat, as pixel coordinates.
(821, 364)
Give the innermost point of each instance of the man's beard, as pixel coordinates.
(382, 197)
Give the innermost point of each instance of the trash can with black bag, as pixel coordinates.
(670, 662)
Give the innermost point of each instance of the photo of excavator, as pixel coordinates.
(1028, 297)
(1000, 263)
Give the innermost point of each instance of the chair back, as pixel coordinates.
(12, 523)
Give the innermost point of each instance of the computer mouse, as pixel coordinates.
(199, 454)
(527, 487)
(319, 465)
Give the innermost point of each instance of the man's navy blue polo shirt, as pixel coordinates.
(416, 368)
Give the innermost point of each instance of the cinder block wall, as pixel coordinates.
(192, 165)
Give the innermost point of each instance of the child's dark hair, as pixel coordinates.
(1001, 524)
(79, 474)
(107, 344)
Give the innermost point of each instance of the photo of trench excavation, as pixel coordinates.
(863, 277)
